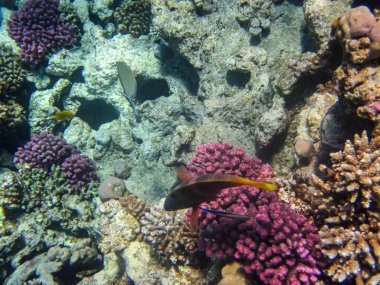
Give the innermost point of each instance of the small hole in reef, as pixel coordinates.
(150, 89)
(96, 113)
(238, 78)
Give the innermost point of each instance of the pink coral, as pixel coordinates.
(277, 244)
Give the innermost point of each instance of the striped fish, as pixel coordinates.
(204, 188)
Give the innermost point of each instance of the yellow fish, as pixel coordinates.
(65, 115)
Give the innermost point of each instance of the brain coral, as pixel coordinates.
(38, 29)
(348, 207)
(134, 17)
(277, 244)
(12, 75)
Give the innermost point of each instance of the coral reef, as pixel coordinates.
(38, 30)
(255, 15)
(134, 17)
(168, 233)
(12, 74)
(277, 244)
(111, 188)
(232, 275)
(48, 228)
(347, 203)
(45, 150)
(12, 117)
(79, 171)
(359, 33)
(144, 237)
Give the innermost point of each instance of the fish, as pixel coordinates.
(194, 190)
(65, 115)
(128, 82)
(226, 214)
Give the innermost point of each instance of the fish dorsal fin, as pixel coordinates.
(183, 173)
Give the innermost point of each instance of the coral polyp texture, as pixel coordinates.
(38, 29)
(134, 17)
(348, 207)
(79, 170)
(45, 150)
(359, 32)
(12, 74)
(277, 244)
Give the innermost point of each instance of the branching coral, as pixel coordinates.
(38, 29)
(45, 150)
(134, 17)
(170, 236)
(277, 244)
(348, 206)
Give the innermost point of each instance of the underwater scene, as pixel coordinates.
(189, 142)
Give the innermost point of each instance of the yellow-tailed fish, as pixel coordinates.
(195, 190)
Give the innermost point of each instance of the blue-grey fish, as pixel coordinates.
(128, 82)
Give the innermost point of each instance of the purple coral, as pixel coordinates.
(38, 29)
(43, 150)
(79, 170)
(277, 244)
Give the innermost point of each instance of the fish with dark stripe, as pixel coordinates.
(195, 190)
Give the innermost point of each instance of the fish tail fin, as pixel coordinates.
(264, 185)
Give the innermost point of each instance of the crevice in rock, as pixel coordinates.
(77, 75)
(96, 112)
(151, 89)
(238, 78)
(173, 64)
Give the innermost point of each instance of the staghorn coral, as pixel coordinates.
(38, 30)
(354, 252)
(134, 17)
(354, 175)
(359, 33)
(172, 240)
(347, 204)
(12, 74)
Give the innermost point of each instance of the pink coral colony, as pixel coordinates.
(277, 244)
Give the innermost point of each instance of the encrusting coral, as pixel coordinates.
(359, 32)
(134, 17)
(232, 275)
(347, 204)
